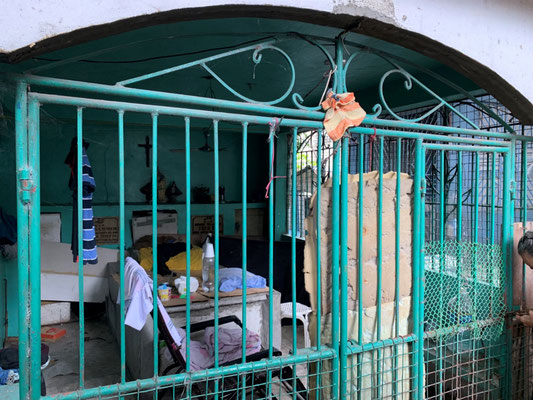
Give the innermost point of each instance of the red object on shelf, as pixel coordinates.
(52, 334)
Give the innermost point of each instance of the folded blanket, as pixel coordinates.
(231, 279)
(202, 354)
(230, 343)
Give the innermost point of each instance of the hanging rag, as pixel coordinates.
(138, 299)
(342, 112)
(90, 255)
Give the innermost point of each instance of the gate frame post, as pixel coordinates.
(507, 221)
(28, 242)
(417, 369)
(23, 181)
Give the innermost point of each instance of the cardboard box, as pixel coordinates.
(167, 223)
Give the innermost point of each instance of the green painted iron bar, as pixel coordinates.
(23, 230)
(493, 200)
(360, 200)
(343, 268)
(244, 237)
(293, 251)
(341, 223)
(475, 187)
(79, 198)
(300, 167)
(441, 263)
(194, 63)
(222, 116)
(154, 244)
(380, 258)
(121, 184)
(217, 243)
(249, 107)
(421, 237)
(354, 348)
(397, 262)
(524, 213)
(335, 270)
(360, 197)
(508, 175)
(188, 240)
(148, 384)
(442, 197)
(270, 254)
(318, 260)
(476, 198)
(459, 200)
(244, 243)
(293, 240)
(499, 149)
(35, 249)
(459, 238)
(170, 97)
(417, 369)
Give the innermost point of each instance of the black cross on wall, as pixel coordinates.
(147, 146)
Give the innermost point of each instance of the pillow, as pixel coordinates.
(178, 263)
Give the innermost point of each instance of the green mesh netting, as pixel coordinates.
(464, 289)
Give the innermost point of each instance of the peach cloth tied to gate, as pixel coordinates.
(342, 112)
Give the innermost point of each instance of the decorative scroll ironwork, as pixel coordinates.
(336, 78)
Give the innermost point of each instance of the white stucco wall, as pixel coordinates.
(496, 33)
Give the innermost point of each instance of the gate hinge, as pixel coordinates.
(423, 186)
(26, 185)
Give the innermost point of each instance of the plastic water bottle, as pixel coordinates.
(208, 268)
(460, 308)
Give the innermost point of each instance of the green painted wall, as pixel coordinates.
(103, 155)
(9, 282)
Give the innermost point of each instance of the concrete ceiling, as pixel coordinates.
(126, 55)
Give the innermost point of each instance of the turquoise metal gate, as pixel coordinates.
(353, 355)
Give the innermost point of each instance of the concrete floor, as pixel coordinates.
(102, 357)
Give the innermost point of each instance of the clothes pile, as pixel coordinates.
(9, 364)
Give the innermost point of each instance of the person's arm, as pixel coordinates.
(527, 320)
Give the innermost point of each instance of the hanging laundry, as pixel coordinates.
(88, 184)
(342, 112)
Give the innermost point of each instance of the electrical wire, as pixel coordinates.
(140, 60)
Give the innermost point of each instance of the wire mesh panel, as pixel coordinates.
(464, 319)
(383, 373)
(522, 362)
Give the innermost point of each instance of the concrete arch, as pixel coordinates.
(488, 41)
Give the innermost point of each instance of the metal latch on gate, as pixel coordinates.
(512, 189)
(26, 185)
(423, 186)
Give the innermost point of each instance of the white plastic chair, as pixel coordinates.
(302, 313)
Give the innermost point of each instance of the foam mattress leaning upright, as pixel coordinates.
(369, 265)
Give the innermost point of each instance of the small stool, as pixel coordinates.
(302, 312)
